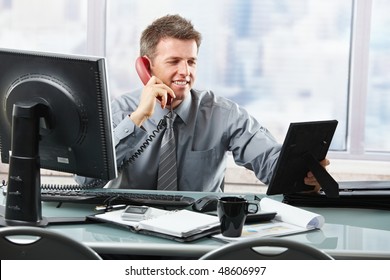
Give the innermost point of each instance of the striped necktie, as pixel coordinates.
(167, 177)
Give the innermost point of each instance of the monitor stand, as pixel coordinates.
(23, 203)
(45, 221)
(328, 184)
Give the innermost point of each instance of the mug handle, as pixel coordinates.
(253, 210)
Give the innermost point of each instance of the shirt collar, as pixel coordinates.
(183, 111)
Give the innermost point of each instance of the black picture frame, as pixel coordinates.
(305, 145)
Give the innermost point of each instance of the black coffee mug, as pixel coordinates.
(232, 212)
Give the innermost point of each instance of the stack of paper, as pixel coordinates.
(289, 220)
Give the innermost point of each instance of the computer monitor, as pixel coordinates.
(55, 114)
(305, 145)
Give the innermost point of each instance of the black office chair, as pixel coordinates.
(282, 249)
(34, 243)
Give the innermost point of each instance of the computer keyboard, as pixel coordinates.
(112, 197)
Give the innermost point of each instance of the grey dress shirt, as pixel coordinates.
(207, 127)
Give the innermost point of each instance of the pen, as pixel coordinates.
(110, 207)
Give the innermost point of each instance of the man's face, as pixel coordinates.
(175, 64)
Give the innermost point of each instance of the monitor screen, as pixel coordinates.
(305, 145)
(55, 114)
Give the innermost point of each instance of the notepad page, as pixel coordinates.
(116, 216)
(180, 223)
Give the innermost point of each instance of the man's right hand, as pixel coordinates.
(154, 90)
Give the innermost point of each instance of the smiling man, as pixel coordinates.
(206, 126)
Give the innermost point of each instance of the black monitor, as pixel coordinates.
(305, 145)
(55, 114)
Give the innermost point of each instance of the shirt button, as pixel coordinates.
(126, 130)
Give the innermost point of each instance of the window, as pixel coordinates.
(45, 25)
(377, 117)
(284, 61)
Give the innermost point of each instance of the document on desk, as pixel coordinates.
(289, 220)
(182, 225)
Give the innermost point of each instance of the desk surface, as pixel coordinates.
(347, 234)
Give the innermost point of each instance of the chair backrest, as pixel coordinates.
(34, 243)
(256, 249)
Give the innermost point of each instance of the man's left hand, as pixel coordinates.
(311, 180)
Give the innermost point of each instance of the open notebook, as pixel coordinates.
(181, 225)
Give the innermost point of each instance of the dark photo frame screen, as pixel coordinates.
(305, 145)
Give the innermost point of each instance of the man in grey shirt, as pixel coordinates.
(206, 128)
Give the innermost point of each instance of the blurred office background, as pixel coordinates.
(285, 61)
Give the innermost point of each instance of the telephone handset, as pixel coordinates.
(143, 69)
(142, 66)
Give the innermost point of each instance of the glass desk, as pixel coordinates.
(347, 234)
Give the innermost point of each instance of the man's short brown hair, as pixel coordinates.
(169, 26)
